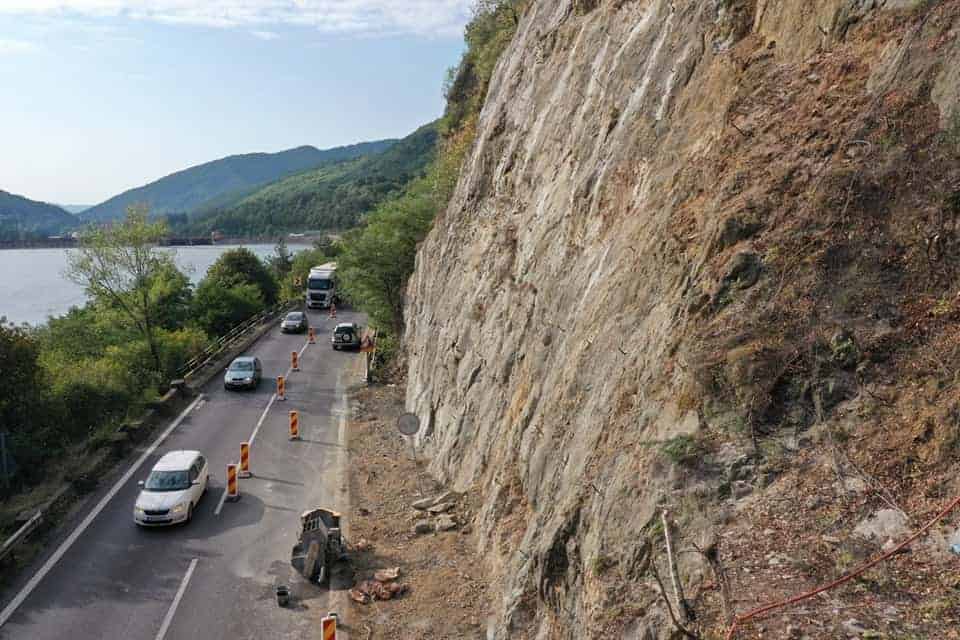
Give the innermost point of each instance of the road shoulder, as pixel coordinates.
(437, 567)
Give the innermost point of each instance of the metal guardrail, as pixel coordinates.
(214, 349)
(21, 533)
(218, 346)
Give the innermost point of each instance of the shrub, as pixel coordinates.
(683, 449)
(217, 309)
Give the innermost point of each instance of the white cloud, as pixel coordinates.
(15, 47)
(346, 17)
(265, 35)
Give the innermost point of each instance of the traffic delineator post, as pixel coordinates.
(233, 483)
(281, 388)
(328, 628)
(333, 310)
(245, 460)
(294, 425)
(294, 361)
(312, 335)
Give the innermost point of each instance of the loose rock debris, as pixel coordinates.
(438, 567)
(370, 590)
(387, 575)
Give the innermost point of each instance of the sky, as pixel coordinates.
(99, 96)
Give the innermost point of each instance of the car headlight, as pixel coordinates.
(180, 508)
(137, 509)
(248, 379)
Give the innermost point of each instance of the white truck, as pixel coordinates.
(322, 286)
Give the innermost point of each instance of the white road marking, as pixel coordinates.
(256, 430)
(263, 417)
(65, 546)
(176, 601)
(223, 498)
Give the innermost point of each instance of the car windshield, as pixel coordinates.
(321, 284)
(294, 317)
(243, 365)
(344, 329)
(167, 481)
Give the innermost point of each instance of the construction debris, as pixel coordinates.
(387, 575)
(370, 590)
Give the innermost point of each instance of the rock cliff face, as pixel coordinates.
(683, 228)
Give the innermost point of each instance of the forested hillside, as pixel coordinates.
(229, 178)
(333, 196)
(19, 215)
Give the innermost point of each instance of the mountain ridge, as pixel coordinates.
(19, 214)
(331, 196)
(186, 189)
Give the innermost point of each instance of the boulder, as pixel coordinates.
(446, 523)
(425, 503)
(740, 489)
(423, 527)
(884, 525)
(440, 508)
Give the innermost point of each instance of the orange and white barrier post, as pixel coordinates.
(233, 483)
(245, 460)
(328, 628)
(311, 335)
(333, 310)
(281, 388)
(294, 425)
(294, 361)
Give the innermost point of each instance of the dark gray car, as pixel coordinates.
(295, 322)
(243, 373)
(346, 336)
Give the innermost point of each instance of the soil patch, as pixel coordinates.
(444, 594)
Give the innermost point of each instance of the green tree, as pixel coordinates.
(27, 410)
(217, 309)
(242, 266)
(173, 293)
(378, 259)
(281, 261)
(120, 267)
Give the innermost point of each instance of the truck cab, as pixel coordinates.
(322, 286)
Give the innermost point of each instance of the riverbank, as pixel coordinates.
(33, 286)
(70, 243)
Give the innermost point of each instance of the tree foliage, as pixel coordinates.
(331, 197)
(242, 266)
(218, 308)
(281, 261)
(121, 268)
(378, 259)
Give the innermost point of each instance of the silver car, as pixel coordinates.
(243, 373)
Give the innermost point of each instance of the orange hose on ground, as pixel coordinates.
(737, 620)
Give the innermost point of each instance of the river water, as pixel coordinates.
(33, 285)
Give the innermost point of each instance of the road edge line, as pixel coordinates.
(52, 561)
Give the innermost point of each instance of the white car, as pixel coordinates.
(172, 490)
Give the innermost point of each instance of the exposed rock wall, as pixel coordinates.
(605, 232)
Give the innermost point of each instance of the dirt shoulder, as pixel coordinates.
(441, 593)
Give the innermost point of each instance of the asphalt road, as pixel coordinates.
(121, 581)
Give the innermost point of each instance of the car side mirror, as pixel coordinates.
(141, 484)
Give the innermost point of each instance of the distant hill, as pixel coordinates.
(183, 191)
(74, 208)
(19, 215)
(333, 196)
